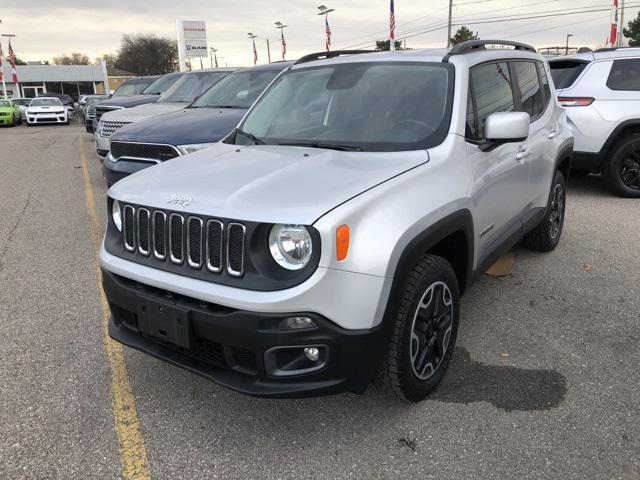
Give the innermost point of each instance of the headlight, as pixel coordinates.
(290, 246)
(115, 215)
(185, 149)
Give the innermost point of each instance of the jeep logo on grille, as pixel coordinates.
(179, 200)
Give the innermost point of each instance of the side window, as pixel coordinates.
(492, 91)
(625, 75)
(545, 81)
(530, 91)
(470, 125)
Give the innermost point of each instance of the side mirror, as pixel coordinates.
(505, 127)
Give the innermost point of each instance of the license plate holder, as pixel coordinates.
(165, 321)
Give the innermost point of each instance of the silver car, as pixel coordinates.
(326, 242)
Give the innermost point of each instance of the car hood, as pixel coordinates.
(186, 126)
(264, 183)
(142, 112)
(128, 102)
(57, 108)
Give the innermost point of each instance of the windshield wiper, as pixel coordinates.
(250, 136)
(328, 146)
(224, 106)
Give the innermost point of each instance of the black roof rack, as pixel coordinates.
(475, 45)
(325, 55)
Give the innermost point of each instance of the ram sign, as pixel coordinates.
(192, 40)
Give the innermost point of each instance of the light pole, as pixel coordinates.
(268, 51)
(255, 52)
(621, 26)
(566, 48)
(213, 57)
(326, 11)
(282, 26)
(449, 24)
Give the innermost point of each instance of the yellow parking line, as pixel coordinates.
(133, 454)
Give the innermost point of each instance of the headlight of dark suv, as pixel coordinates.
(291, 246)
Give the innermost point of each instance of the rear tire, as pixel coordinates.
(621, 172)
(545, 236)
(424, 331)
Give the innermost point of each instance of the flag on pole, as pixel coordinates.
(1, 67)
(12, 62)
(613, 34)
(284, 43)
(255, 52)
(392, 23)
(328, 32)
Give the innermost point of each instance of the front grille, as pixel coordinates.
(143, 150)
(188, 240)
(109, 128)
(102, 110)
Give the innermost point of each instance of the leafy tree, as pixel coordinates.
(72, 59)
(462, 35)
(633, 32)
(19, 61)
(384, 44)
(147, 54)
(109, 58)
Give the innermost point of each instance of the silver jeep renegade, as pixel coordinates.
(325, 243)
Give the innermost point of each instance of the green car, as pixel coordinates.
(9, 113)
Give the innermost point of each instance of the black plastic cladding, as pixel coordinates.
(261, 272)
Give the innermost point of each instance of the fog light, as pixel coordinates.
(297, 323)
(312, 353)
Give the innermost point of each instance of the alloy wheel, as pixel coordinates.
(630, 171)
(556, 213)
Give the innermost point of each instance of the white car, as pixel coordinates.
(23, 103)
(46, 110)
(601, 94)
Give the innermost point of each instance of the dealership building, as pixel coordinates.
(74, 80)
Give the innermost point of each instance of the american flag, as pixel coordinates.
(12, 62)
(392, 23)
(328, 30)
(284, 44)
(255, 52)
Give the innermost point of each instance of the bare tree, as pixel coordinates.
(71, 59)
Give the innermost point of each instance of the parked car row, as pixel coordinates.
(326, 240)
(39, 110)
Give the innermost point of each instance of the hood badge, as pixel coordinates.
(179, 200)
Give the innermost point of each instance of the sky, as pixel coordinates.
(46, 28)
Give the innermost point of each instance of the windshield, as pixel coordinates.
(130, 88)
(4, 103)
(238, 90)
(190, 85)
(161, 85)
(21, 101)
(366, 106)
(45, 102)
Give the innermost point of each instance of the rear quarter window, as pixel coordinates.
(565, 72)
(625, 75)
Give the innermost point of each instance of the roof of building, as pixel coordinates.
(56, 73)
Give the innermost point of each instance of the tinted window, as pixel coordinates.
(531, 97)
(566, 72)
(546, 89)
(129, 88)
(238, 90)
(372, 106)
(45, 102)
(161, 85)
(492, 92)
(190, 85)
(625, 75)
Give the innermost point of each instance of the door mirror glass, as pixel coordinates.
(505, 127)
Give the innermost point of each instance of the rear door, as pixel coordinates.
(501, 181)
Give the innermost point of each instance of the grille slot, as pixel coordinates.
(109, 128)
(128, 226)
(149, 151)
(214, 245)
(159, 235)
(144, 233)
(194, 242)
(176, 238)
(235, 249)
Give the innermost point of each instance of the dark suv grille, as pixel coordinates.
(188, 240)
(143, 150)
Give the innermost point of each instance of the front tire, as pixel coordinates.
(424, 331)
(621, 173)
(546, 235)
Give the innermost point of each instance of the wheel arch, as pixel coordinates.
(623, 130)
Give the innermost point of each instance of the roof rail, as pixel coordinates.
(334, 53)
(612, 49)
(475, 45)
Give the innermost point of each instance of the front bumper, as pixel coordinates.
(235, 347)
(115, 171)
(103, 145)
(34, 120)
(6, 120)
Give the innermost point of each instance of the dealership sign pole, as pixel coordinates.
(192, 41)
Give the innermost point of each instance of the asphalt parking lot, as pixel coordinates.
(544, 382)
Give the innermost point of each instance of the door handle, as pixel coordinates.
(522, 154)
(553, 134)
